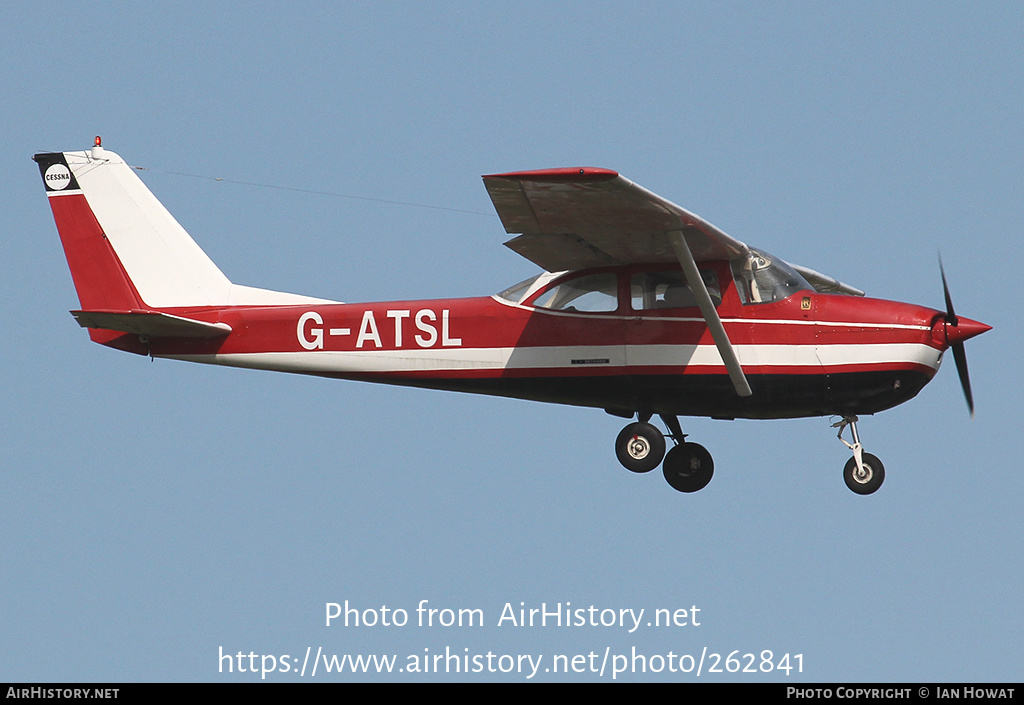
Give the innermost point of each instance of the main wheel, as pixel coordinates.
(867, 481)
(688, 467)
(640, 447)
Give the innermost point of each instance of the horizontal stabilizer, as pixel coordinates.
(150, 323)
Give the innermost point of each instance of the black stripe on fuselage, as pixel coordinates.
(774, 397)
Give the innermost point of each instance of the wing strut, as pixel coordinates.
(707, 309)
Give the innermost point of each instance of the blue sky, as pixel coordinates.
(157, 512)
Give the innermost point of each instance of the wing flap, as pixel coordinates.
(560, 251)
(150, 323)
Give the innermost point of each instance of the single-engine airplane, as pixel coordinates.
(643, 308)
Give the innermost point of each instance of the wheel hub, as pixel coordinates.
(639, 448)
(863, 474)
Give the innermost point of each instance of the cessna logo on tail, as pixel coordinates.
(57, 177)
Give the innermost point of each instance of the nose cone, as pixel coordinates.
(960, 329)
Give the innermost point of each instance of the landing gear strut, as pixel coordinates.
(640, 447)
(864, 473)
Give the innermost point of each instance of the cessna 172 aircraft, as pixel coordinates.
(643, 309)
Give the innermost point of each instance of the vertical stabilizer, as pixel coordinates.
(124, 249)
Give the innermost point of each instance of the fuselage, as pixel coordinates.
(808, 354)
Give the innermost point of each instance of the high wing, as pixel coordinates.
(588, 217)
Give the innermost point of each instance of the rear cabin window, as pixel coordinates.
(590, 293)
(514, 294)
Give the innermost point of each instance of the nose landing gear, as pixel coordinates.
(864, 473)
(640, 447)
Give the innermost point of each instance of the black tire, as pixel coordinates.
(640, 447)
(870, 480)
(689, 467)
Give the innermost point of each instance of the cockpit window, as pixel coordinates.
(590, 293)
(668, 289)
(761, 279)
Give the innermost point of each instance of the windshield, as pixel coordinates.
(761, 278)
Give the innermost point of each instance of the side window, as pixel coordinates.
(591, 293)
(668, 289)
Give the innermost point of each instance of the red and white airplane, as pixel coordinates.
(643, 308)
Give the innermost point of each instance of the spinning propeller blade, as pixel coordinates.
(957, 331)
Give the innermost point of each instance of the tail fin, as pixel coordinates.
(126, 252)
(124, 249)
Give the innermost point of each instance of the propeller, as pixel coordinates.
(957, 331)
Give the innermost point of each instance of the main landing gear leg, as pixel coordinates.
(640, 447)
(864, 473)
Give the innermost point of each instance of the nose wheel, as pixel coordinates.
(640, 447)
(864, 473)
